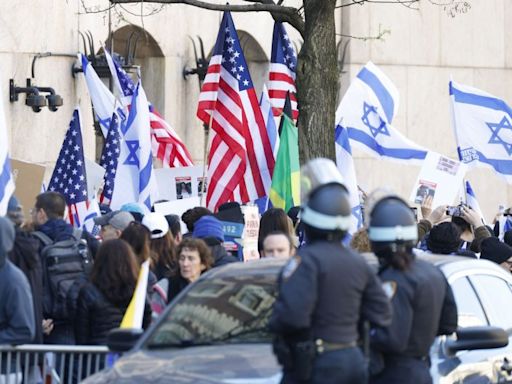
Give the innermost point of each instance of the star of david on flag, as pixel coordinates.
(69, 176)
(367, 111)
(134, 178)
(483, 129)
(165, 142)
(109, 159)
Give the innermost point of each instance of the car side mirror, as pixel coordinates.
(123, 339)
(471, 338)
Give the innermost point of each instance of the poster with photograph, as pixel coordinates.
(183, 187)
(179, 183)
(440, 180)
(200, 187)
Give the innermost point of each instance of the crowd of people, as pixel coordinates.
(101, 275)
(60, 285)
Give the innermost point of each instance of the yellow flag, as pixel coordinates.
(135, 312)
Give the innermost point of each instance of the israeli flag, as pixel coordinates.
(345, 164)
(270, 123)
(367, 111)
(135, 180)
(92, 211)
(471, 199)
(6, 179)
(103, 101)
(483, 129)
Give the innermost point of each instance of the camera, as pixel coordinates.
(455, 211)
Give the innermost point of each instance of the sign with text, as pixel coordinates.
(440, 180)
(251, 230)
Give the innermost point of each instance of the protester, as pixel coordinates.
(192, 215)
(500, 253)
(274, 219)
(137, 210)
(360, 241)
(163, 252)
(209, 229)
(17, 323)
(472, 227)
(25, 256)
(194, 258)
(103, 301)
(277, 244)
(230, 211)
(445, 239)
(47, 218)
(174, 227)
(113, 224)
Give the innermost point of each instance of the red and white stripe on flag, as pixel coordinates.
(166, 145)
(240, 160)
(77, 213)
(281, 81)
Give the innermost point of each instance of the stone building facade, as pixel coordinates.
(423, 49)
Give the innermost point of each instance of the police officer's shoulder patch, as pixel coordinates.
(389, 288)
(291, 267)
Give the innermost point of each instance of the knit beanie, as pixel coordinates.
(494, 250)
(444, 238)
(208, 226)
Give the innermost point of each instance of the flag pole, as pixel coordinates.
(205, 158)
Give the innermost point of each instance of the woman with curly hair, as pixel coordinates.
(103, 301)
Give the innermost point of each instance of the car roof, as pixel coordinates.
(449, 264)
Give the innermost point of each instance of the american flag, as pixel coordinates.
(283, 66)
(166, 145)
(240, 161)
(69, 176)
(109, 159)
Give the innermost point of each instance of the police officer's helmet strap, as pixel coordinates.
(397, 233)
(325, 222)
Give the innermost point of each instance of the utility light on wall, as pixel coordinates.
(34, 98)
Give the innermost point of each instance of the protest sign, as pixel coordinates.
(179, 183)
(251, 230)
(28, 178)
(440, 180)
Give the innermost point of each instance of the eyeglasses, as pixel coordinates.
(33, 210)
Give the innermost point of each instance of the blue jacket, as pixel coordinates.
(17, 324)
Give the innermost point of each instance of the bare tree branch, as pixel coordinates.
(405, 3)
(279, 12)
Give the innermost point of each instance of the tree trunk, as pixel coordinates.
(317, 81)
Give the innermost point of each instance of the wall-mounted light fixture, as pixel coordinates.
(34, 98)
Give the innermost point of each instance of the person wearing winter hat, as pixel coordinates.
(163, 249)
(136, 209)
(444, 238)
(209, 228)
(500, 253)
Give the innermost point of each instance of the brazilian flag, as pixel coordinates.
(285, 188)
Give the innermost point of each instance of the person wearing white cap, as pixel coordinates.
(163, 255)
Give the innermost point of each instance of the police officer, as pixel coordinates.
(423, 303)
(326, 290)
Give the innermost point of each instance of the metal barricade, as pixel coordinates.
(55, 364)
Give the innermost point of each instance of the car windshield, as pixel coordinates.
(233, 309)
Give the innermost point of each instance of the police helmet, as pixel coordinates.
(392, 227)
(326, 210)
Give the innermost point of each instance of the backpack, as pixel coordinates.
(64, 262)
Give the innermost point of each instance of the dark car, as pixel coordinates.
(215, 331)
